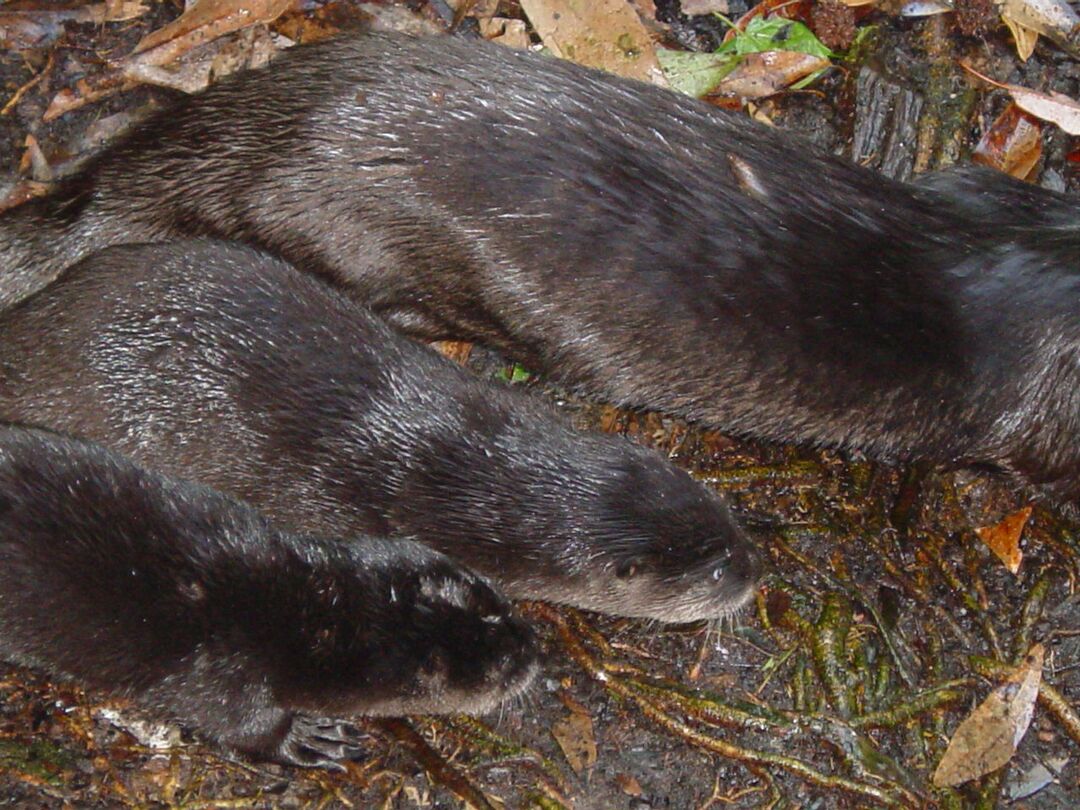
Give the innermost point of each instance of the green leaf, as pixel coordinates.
(806, 81)
(695, 74)
(517, 374)
(698, 74)
(775, 34)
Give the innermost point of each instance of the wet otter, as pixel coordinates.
(212, 362)
(636, 244)
(190, 603)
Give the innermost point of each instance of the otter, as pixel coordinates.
(639, 246)
(211, 362)
(190, 603)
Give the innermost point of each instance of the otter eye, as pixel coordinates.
(628, 568)
(718, 573)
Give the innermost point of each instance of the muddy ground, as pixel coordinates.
(882, 622)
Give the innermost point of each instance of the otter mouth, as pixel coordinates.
(712, 591)
(680, 600)
(710, 607)
(505, 687)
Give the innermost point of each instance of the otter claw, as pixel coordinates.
(322, 742)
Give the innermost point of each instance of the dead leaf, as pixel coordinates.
(104, 130)
(171, 65)
(120, 10)
(1053, 107)
(1004, 538)
(692, 8)
(209, 19)
(511, 33)
(572, 703)
(86, 92)
(456, 350)
(1012, 144)
(1024, 38)
(761, 113)
(1052, 18)
(34, 160)
(574, 734)
(252, 48)
(381, 17)
(22, 192)
(605, 34)
(194, 71)
(789, 9)
(313, 24)
(479, 8)
(37, 27)
(988, 737)
(628, 784)
(763, 74)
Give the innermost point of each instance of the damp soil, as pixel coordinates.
(882, 621)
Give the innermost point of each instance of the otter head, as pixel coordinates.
(424, 635)
(656, 544)
(479, 652)
(585, 519)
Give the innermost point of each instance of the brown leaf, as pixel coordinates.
(481, 9)
(162, 65)
(251, 48)
(572, 703)
(606, 34)
(1053, 107)
(1023, 37)
(22, 192)
(512, 33)
(37, 27)
(628, 784)
(692, 8)
(1012, 144)
(1004, 538)
(34, 160)
(574, 734)
(1052, 18)
(988, 737)
(1050, 106)
(209, 19)
(456, 350)
(120, 10)
(763, 74)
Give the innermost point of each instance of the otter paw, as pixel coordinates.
(322, 742)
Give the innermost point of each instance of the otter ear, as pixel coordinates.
(629, 568)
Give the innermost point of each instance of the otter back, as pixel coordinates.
(643, 247)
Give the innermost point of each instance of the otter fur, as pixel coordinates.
(211, 362)
(642, 247)
(190, 603)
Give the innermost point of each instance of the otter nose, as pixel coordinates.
(743, 567)
(738, 571)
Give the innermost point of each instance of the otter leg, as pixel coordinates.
(300, 740)
(321, 742)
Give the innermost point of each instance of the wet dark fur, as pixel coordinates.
(188, 602)
(634, 243)
(211, 362)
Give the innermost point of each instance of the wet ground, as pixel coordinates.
(882, 622)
